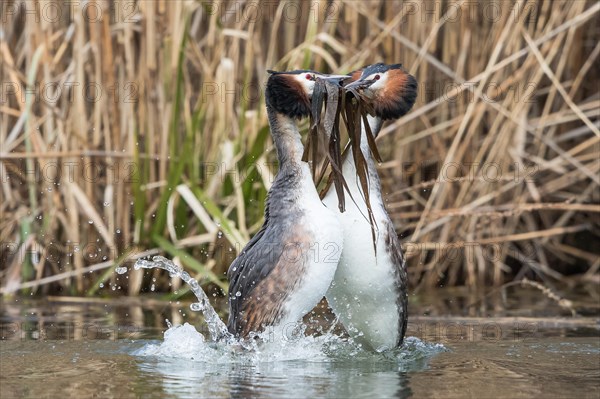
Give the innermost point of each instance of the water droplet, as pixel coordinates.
(90, 221)
(238, 294)
(101, 285)
(121, 270)
(196, 307)
(118, 231)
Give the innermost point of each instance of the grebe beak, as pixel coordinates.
(335, 79)
(359, 84)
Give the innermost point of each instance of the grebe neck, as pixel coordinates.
(286, 138)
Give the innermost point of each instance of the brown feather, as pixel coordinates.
(353, 76)
(264, 306)
(296, 88)
(398, 95)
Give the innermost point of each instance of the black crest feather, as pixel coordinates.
(286, 95)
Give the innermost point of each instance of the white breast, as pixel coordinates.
(363, 292)
(325, 250)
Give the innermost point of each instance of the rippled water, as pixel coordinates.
(124, 349)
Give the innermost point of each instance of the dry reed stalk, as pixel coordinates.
(177, 144)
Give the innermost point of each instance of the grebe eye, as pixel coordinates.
(309, 76)
(376, 77)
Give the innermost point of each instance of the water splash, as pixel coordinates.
(186, 343)
(216, 328)
(271, 345)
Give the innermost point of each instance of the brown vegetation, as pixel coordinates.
(140, 126)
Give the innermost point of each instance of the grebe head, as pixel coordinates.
(390, 90)
(290, 92)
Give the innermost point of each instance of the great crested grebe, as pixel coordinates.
(286, 268)
(369, 293)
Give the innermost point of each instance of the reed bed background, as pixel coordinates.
(132, 128)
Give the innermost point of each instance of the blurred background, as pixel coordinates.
(133, 128)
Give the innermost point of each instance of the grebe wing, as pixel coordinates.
(237, 265)
(266, 275)
(237, 268)
(400, 277)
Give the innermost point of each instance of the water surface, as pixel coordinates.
(107, 348)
